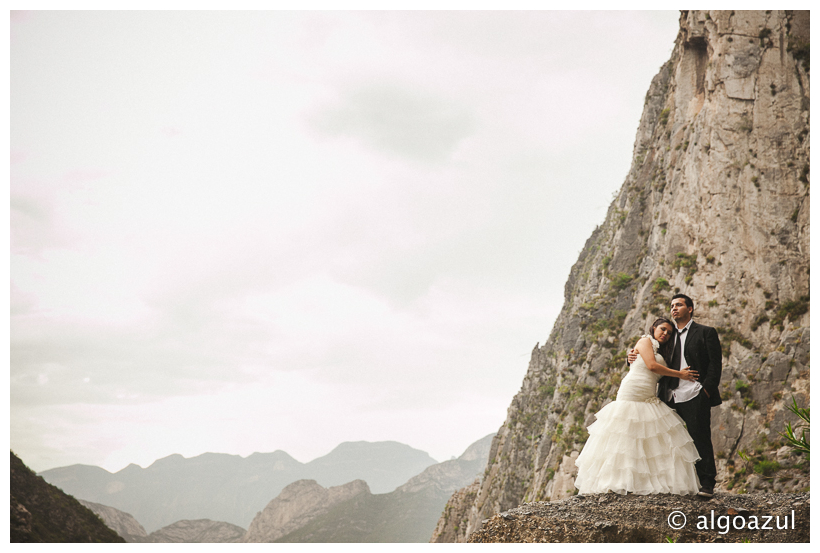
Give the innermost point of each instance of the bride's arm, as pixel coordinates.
(646, 352)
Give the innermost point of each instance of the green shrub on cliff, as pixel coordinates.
(801, 444)
(621, 281)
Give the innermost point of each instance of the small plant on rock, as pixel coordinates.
(800, 444)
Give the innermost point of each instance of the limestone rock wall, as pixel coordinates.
(715, 205)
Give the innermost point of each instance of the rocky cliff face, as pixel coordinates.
(122, 523)
(715, 205)
(451, 526)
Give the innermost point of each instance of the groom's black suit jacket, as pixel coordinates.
(703, 354)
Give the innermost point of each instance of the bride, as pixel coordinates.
(638, 444)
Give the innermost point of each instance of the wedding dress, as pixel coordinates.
(638, 444)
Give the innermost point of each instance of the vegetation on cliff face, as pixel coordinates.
(716, 205)
(41, 512)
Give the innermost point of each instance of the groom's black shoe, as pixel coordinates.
(708, 493)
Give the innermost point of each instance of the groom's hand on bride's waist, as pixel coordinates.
(631, 355)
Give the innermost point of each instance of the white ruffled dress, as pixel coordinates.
(638, 444)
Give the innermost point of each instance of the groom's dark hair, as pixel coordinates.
(687, 300)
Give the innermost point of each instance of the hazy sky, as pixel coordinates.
(251, 231)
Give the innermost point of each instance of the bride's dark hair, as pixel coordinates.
(664, 349)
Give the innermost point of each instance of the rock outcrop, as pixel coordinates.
(715, 205)
(42, 513)
(298, 504)
(610, 518)
(122, 523)
(197, 531)
(395, 517)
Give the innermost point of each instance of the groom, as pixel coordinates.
(696, 347)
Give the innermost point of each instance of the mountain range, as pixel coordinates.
(233, 489)
(305, 511)
(230, 488)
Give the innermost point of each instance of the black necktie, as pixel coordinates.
(676, 359)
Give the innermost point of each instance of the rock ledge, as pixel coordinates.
(611, 518)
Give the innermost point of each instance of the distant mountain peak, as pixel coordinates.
(378, 449)
(174, 458)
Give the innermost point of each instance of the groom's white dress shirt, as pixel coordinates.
(686, 389)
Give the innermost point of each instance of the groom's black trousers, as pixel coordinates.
(697, 414)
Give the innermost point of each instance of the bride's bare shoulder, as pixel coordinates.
(644, 340)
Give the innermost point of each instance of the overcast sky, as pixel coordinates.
(240, 232)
